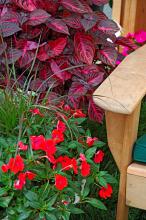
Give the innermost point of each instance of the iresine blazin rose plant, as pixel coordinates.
(54, 172)
(60, 44)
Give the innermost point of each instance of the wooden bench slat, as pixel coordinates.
(125, 87)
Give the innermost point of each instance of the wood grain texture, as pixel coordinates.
(122, 133)
(117, 10)
(137, 169)
(131, 14)
(136, 191)
(125, 87)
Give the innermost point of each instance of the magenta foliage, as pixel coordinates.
(67, 38)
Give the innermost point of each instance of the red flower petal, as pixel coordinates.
(36, 111)
(22, 146)
(90, 141)
(61, 126)
(60, 182)
(57, 136)
(99, 156)
(79, 114)
(5, 168)
(37, 142)
(16, 164)
(30, 175)
(106, 192)
(85, 169)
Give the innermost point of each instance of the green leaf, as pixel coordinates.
(99, 144)
(110, 179)
(50, 216)
(4, 201)
(65, 215)
(31, 196)
(102, 181)
(90, 152)
(52, 200)
(96, 203)
(35, 205)
(3, 191)
(24, 215)
(73, 144)
(75, 210)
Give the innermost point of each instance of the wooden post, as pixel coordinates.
(131, 14)
(122, 133)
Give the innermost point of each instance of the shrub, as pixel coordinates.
(59, 44)
(52, 172)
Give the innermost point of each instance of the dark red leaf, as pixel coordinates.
(95, 113)
(58, 25)
(76, 6)
(3, 47)
(38, 85)
(26, 59)
(94, 79)
(84, 47)
(108, 26)
(73, 21)
(38, 16)
(52, 49)
(28, 5)
(108, 55)
(9, 24)
(99, 2)
(13, 55)
(126, 42)
(77, 89)
(89, 21)
(58, 72)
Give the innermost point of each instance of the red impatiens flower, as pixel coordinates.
(61, 126)
(68, 163)
(36, 111)
(5, 168)
(22, 146)
(79, 114)
(85, 168)
(60, 182)
(18, 184)
(30, 175)
(90, 141)
(37, 142)
(106, 192)
(49, 147)
(98, 158)
(57, 136)
(16, 164)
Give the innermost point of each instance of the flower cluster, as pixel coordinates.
(65, 160)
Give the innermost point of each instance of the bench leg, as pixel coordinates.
(122, 208)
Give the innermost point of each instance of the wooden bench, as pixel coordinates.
(120, 96)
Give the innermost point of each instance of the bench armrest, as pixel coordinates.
(126, 86)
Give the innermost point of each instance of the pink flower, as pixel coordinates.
(140, 36)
